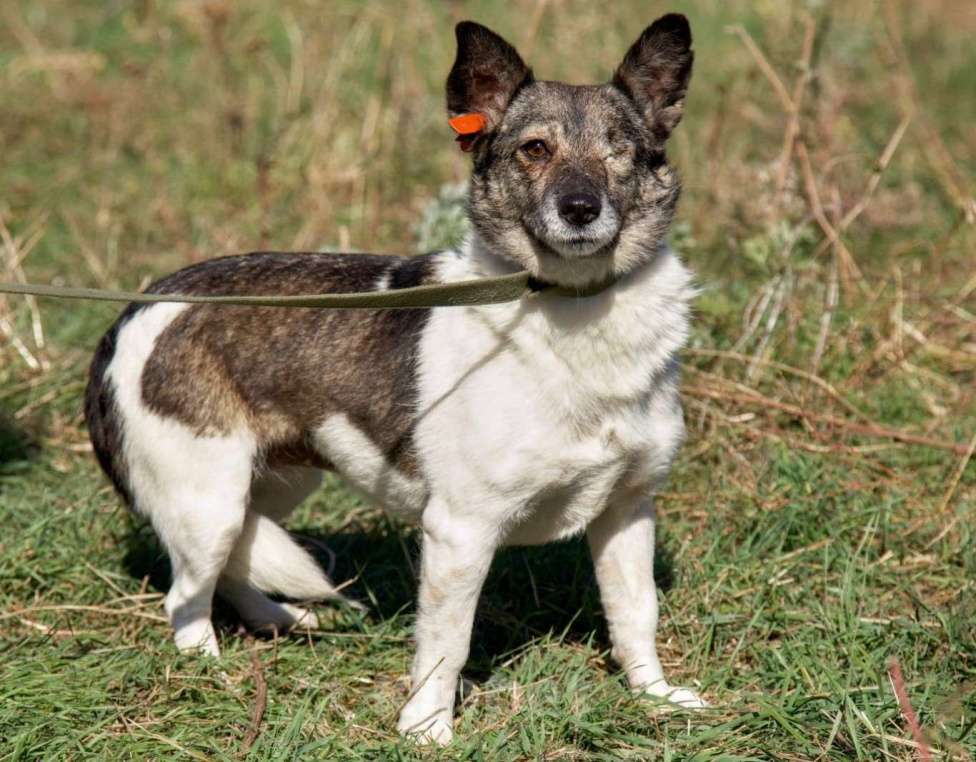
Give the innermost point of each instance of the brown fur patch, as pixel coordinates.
(282, 372)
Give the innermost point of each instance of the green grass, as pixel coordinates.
(799, 552)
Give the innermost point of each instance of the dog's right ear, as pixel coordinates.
(486, 74)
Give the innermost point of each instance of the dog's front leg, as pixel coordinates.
(455, 558)
(622, 544)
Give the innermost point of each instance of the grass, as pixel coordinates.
(819, 524)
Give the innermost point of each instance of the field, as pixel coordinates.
(819, 530)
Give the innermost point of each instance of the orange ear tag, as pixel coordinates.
(468, 128)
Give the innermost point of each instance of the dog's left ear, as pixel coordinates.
(486, 74)
(656, 70)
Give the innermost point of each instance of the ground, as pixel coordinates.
(818, 528)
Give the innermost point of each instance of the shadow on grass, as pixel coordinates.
(17, 447)
(530, 592)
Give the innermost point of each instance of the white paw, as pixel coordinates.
(675, 698)
(426, 731)
(199, 637)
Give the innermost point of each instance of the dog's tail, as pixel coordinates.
(267, 558)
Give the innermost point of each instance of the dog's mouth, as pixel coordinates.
(571, 247)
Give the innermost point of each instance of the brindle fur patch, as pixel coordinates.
(281, 372)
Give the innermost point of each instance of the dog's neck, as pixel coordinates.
(573, 292)
(581, 277)
(644, 314)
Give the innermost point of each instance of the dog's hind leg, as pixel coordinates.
(195, 492)
(266, 559)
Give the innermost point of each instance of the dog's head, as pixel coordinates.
(572, 181)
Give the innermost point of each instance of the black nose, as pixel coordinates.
(579, 208)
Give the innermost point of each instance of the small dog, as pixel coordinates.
(518, 423)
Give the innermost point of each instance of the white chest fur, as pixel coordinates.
(535, 414)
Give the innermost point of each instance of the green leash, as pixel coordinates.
(466, 293)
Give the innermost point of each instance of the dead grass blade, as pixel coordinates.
(898, 685)
(796, 105)
(259, 704)
(765, 67)
(869, 430)
(849, 270)
(933, 146)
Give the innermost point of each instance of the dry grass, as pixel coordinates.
(819, 524)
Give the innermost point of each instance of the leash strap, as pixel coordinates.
(504, 288)
(465, 293)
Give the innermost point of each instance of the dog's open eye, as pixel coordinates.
(536, 149)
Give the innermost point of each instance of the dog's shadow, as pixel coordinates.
(530, 592)
(18, 446)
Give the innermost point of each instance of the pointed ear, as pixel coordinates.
(656, 70)
(486, 74)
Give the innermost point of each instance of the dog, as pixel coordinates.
(519, 423)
